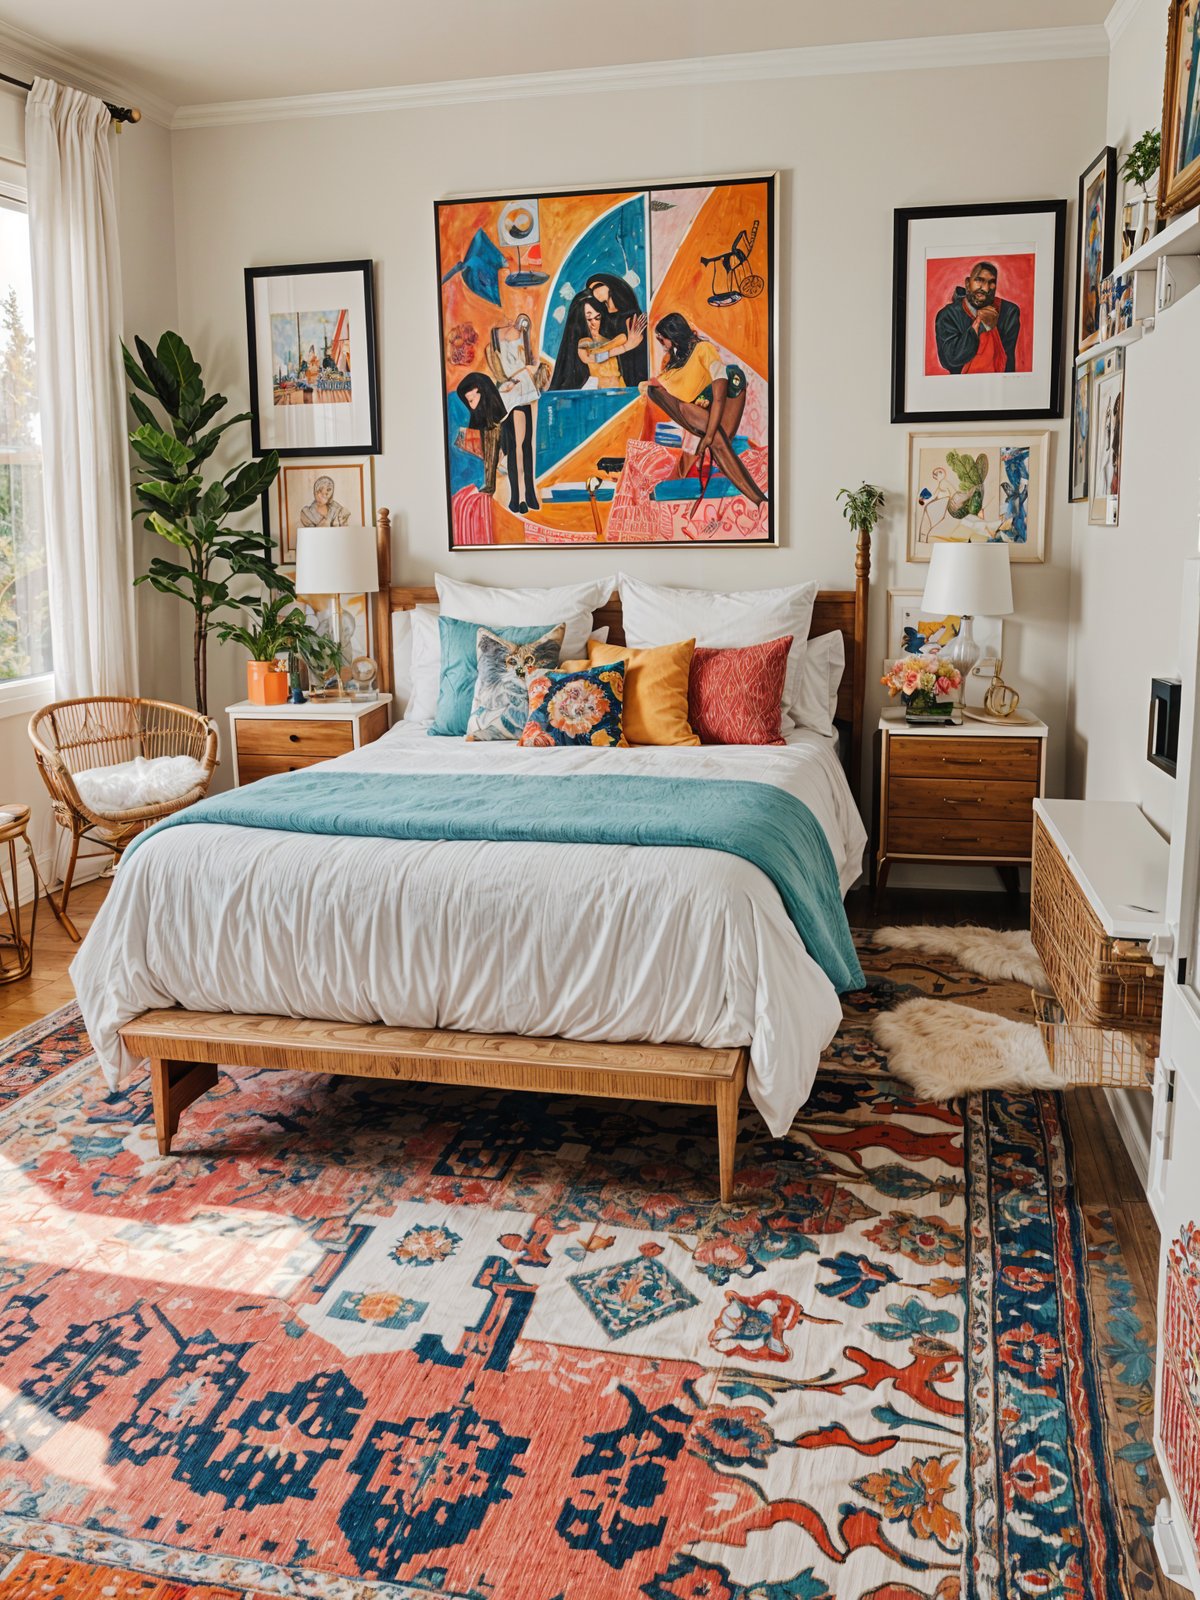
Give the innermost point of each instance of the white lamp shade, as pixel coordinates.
(968, 580)
(336, 561)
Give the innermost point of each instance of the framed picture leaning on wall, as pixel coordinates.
(1095, 231)
(1107, 429)
(977, 311)
(1179, 172)
(912, 631)
(1081, 414)
(314, 387)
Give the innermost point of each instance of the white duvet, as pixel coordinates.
(602, 942)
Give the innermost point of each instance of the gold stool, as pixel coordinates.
(16, 947)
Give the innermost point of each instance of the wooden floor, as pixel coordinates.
(47, 987)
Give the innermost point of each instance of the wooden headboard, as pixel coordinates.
(841, 611)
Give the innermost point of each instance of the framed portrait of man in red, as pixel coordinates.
(977, 315)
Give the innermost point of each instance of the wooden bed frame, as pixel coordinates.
(183, 1046)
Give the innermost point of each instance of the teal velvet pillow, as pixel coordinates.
(584, 707)
(501, 706)
(460, 667)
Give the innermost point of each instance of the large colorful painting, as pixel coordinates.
(608, 365)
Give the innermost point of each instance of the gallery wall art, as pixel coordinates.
(1104, 451)
(977, 313)
(914, 631)
(1096, 225)
(609, 366)
(1179, 179)
(973, 487)
(317, 494)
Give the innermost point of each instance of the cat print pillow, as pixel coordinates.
(500, 708)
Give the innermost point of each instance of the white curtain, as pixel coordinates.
(77, 331)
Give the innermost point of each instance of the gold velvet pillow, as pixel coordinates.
(656, 690)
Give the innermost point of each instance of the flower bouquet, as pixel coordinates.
(923, 683)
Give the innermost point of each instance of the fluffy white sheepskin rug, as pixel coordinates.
(943, 1049)
(991, 952)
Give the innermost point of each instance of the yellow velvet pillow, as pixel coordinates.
(656, 690)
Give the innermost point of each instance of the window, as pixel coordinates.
(24, 601)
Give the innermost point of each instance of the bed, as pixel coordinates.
(681, 978)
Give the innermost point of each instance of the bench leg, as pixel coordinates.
(174, 1085)
(728, 1095)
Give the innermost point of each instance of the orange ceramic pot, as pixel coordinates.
(266, 683)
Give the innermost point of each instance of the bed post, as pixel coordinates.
(862, 581)
(383, 600)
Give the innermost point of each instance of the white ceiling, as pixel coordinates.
(221, 50)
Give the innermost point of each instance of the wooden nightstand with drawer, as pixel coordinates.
(961, 794)
(270, 739)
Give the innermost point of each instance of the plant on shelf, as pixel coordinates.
(1141, 161)
(275, 626)
(862, 506)
(190, 514)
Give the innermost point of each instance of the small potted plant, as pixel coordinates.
(276, 628)
(1141, 164)
(923, 683)
(862, 506)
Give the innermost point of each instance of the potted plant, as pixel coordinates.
(1141, 164)
(862, 506)
(277, 627)
(190, 514)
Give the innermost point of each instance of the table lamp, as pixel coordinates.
(967, 581)
(336, 561)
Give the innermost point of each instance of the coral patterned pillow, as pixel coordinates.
(735, 696)
(576, 708)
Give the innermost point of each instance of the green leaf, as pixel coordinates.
(169, 530)
(246, 484)
(213, 501)
(178, 360)
(164, 386)
(208, 442)
(142, 411)
(167, 493)
(134, 372)
(161, 451)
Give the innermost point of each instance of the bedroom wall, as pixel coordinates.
(849, 148)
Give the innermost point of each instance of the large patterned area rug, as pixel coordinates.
(359, 1340)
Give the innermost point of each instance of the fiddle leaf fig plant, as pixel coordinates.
(186, 506)
(862, 506)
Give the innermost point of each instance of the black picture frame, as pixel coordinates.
(903, 219)
(364, 272)
(1107, 160)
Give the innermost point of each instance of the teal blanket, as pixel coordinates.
(764, 825)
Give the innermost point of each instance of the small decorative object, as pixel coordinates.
(1107, 327)
(337, 561)
(313, 383)
(970, 580)
(1140, 166)
(1080, 426)
(1162, 744)
(316, 494)
(978, 487)
(1094, 243)
(296, 695)
(862, 506)
(1104, 465)
(977, 313)
(924, 683)
(1128, 231)
(912, 630)
(364, 676)
(275, 627)
(999, 700)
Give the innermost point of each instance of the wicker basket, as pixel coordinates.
(1082, 1053)
(1098, 979)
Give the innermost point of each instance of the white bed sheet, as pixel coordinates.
(598, 942)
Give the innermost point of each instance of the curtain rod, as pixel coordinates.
(118, 113)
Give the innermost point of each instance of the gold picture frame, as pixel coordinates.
(1179, 170)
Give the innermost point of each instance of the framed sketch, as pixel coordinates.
(1081, 412)
(317, 494)
(1096, 231)
(1179, 171)
(977, 311)
(609, 367)
(314, 389)
(1104, 456)
(987, 487)
(912, 631)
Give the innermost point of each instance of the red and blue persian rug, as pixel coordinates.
(378, 1341)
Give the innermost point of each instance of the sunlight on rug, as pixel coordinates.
(378, 1340)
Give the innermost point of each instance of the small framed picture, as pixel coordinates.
(977, 311)
(1081, 413)
(317, 494)
(912, 631)
(314, 388)
(1096, 226)
(978, 487)
(1179, 177)
(1104, 456)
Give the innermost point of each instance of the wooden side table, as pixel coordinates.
(270, 739)
(16, 945)
(961, 794)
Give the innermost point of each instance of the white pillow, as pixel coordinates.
(656, 615)
(572, 603)
(129, 785)
(824, 663)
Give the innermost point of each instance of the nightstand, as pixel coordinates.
(958, 795)
(270, 739)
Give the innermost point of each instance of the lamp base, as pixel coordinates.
(962, 651)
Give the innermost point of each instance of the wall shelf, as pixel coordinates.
(1180, 237)
(1118, 341)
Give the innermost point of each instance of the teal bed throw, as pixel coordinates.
(761, 823)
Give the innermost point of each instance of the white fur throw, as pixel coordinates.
(991, 952)
(943, 1050)
(129, 785)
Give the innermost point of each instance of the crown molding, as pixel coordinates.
(810, 61)
(1119, 18)
(27, 56)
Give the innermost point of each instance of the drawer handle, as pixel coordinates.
(959, 800)
(294, 737)
(962, 761)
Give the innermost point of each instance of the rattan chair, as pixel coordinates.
(74, 735)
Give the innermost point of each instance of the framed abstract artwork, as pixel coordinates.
(1179, 173)
(988, 487)
(317, 494)
(609, 365)
(1081, 416)
(1104, 455)
(912, 631)
(1096, 230)
(977, 311)
(314, 389)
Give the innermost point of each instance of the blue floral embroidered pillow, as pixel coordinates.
(500, 708)
(583, 707)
